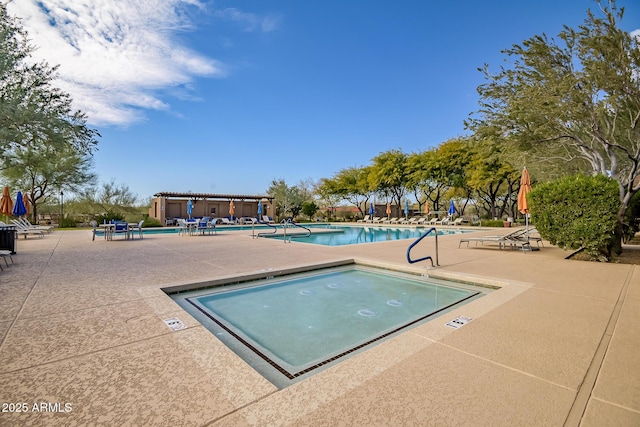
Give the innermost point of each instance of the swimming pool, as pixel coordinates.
(287, 328)
(353, 235)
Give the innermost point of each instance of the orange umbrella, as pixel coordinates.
(523, 206)
(388, 209)
(6, 204)
(525, 187)
(426, 208)
(232, 208)
(27, 204)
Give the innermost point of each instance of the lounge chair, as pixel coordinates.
(511, 239)
(444, 221)
(432, 221)
(376, 219)
(365, 219)
(22, 230)
(521, 239)
(421, 220)
(411, 221)
(267, 219)
(225, 221)
(390, 221)
(28, 225)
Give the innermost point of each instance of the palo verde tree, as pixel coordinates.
(389, 175)
(350, 185)
(45, 145)
(47, 169)
(576, 97)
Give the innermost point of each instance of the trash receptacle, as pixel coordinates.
(8, 237)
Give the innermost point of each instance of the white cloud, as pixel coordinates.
(250, 21)
(116, 57)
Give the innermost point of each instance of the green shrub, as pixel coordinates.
(67, 222)
(492, 223)
(577, 212)
(151, 222)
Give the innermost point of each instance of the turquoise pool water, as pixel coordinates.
(297, 325)
(352, 235)
(339, 235)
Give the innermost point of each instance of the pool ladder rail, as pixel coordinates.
(285, 223)
(413, 261)
(291, 222)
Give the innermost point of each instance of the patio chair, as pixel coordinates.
(432, 221)
(4, 253)
(390, 221)
(225, 221)
(267, 219)
(120, 228)
(137, 227)
(94, 224)
(205, 226)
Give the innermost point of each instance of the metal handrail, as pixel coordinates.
(275, 229)
(292, 222)
(412, 261)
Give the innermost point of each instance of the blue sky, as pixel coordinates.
(225, 96)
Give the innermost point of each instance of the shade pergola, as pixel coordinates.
(212, 196)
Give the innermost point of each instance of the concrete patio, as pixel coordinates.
(83, 340)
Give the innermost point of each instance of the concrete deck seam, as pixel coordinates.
(493, 362)
(110, 347)
(35, 283)
(585, 389)
(617, 405)
(239, 408)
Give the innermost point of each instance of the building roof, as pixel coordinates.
(190, 195)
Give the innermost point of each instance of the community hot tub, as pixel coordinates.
(289, 325)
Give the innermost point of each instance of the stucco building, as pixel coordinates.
(169, 205)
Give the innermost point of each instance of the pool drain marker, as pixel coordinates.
(458, 321)
(174, 324)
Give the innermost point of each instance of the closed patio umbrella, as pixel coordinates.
(452, 208)
(426, 208)
(388, 210)
(27, 203)
(6, 204)
(523, 205)
(372, 211)
(189, 208)
(232, 209)
(18, 207)
(406, 209)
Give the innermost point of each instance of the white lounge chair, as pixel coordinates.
(22, 230)
(365, 219)
(30, 226)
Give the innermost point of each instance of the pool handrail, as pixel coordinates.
(292, 222)
(275, 229)
(412, 261)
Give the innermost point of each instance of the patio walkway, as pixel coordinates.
(83, 341)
